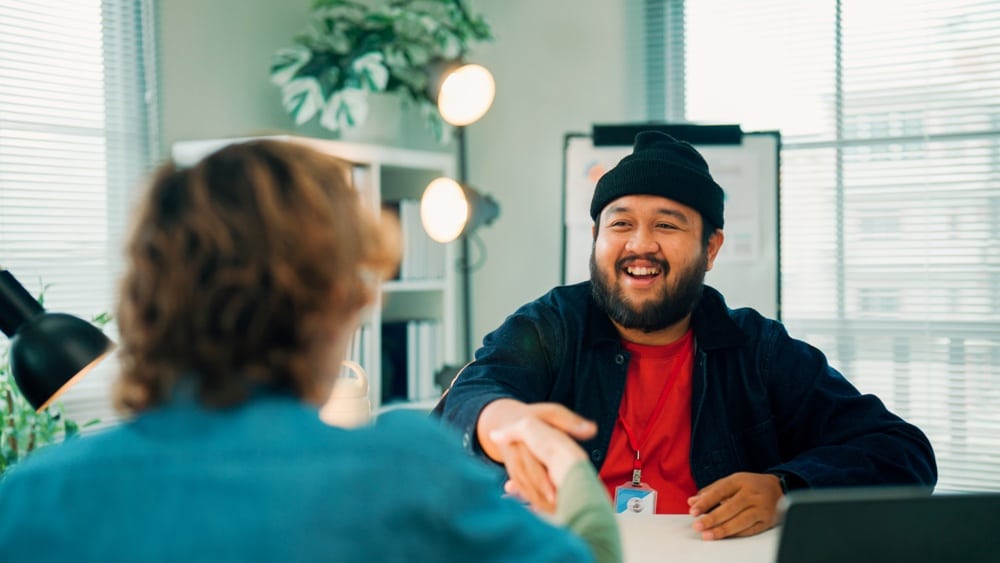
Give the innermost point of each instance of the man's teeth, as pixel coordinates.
(636, 271)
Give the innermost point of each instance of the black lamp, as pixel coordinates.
(49, 352)
(450, 209)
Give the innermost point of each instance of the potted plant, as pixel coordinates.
(352, 49)
(22, 430)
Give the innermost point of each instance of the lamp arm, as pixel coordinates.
(16, 305)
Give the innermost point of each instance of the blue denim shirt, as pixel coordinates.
(267, 481)
(761, 400)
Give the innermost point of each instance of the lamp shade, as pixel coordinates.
(449, 209)
(48, 351)
(465, 94)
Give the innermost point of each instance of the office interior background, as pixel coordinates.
(889, 112)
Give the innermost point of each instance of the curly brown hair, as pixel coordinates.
(241, 272)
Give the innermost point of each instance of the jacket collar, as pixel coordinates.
(713, 324)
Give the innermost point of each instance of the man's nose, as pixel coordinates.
(642, 242)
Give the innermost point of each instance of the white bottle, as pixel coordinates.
(348, 405)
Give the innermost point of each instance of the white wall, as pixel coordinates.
(214, 62)
(560, 66)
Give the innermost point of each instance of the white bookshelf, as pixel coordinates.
(425, 299)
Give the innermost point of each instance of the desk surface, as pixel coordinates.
(669, 537)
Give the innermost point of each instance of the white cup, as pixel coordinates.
(348, 405)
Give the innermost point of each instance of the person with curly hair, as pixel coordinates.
(246, 277)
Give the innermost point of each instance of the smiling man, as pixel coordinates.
(700, 409)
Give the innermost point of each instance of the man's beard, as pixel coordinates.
(670, 307)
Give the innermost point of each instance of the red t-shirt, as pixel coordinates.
(664, 437)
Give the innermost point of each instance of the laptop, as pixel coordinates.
(888, 525)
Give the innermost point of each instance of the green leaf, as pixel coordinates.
(345, 109)
(101, 320)
(375, 74)
(287, 62)
(302, 99)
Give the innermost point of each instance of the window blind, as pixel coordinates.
(890, 193)
(77, 130)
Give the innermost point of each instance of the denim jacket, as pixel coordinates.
(761, 400)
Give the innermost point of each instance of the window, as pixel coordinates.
(77, 116)
(890, 191)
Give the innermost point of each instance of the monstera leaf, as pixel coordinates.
(351, 49)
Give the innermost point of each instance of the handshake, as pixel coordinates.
(536, 443)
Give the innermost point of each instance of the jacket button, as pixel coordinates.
(595, 455)
(466, 440)
(619, 359)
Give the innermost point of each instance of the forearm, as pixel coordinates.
(854, 440)
(887, 458)
(512, 364)
(583, 507)
(833, 435)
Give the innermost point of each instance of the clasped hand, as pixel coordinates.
(538, 448)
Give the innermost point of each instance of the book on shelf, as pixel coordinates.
(357, 346)
(423, 257)
(424, 358)
(361, 179)
(412, 354)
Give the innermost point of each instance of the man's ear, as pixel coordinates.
(714, 244)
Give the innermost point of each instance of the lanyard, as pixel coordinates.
(638, 442)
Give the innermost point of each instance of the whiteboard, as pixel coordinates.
(747, 270)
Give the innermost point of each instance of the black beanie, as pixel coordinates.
(661, 165)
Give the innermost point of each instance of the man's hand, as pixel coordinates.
(555, 450)
(532, 438)
(742, 504)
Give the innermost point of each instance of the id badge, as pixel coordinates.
(630, 499)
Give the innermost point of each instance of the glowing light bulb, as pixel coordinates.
(444, 209)
(466, 95)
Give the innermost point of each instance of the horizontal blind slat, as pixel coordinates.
(890, 196)
(73, 140)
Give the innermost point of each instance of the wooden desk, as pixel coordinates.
(669, 537)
